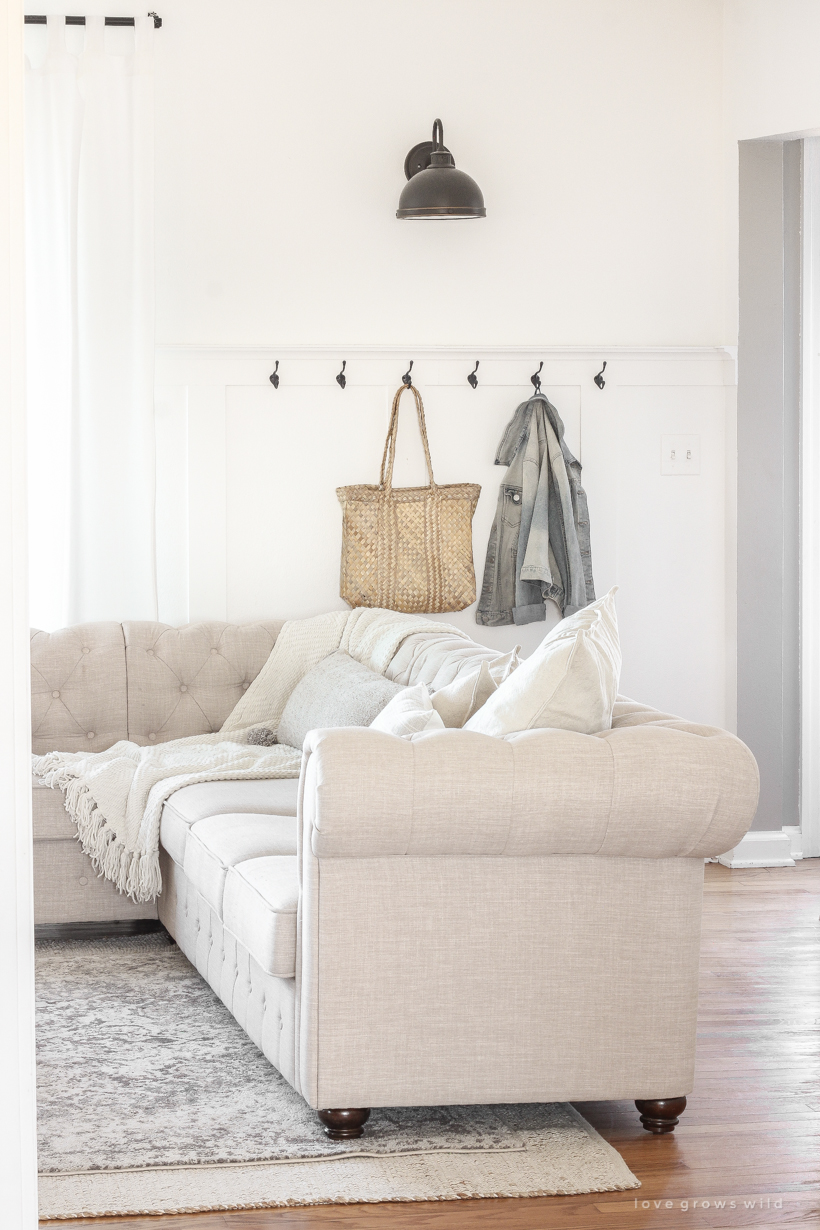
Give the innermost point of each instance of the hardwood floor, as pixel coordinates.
(751, 1131)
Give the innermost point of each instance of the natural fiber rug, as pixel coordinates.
(152, 1099)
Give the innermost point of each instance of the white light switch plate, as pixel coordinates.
(680, 454)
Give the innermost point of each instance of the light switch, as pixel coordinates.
(680, 454)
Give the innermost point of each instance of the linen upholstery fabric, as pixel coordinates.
(50, 820)
(664, 789)
(268, 797)
(220, 842)
(265, 1006)
(570, 682)
(409, 713)
(460, 699)
(532, 979)
(186, 681)
(95, 684)
(261, 898)
(69, 890)
(338, 691)
(78, 688)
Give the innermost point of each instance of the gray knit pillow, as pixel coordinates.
(337, 692)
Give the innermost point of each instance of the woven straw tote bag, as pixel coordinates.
(408, 548)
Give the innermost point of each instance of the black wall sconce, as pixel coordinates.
(435, 188)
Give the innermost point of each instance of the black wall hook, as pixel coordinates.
(599, 379)
(472, 379)
(407, 378)
(535, 379)
(274, 376)
(341, 379)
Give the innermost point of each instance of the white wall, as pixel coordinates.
(771, 88)
(594, 129)
(771, 81)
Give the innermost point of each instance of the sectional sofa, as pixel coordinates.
(446, 919)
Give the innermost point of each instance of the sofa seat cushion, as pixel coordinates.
(219, 842)
(274, 797)
(259, 909)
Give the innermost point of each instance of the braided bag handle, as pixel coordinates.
(386, 475)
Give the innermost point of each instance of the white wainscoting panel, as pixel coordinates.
(249, 525)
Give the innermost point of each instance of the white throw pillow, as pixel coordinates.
(569, 683)
(408, 713)
(459, 700)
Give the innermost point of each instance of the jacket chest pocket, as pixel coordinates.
(511, 513)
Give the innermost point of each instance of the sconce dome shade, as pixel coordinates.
(438, 190)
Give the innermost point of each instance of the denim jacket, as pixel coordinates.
(539, 543)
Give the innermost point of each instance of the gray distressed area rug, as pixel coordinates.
(152, 1099)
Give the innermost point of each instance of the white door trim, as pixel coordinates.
(810, 506)
(18, 1145)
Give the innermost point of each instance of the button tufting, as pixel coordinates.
(83, 880)
(91, 735)
(214, 651)
(86, 649)
(183, 687)
(152, 735)
(150, 653)
(245, 686)
(55, 694)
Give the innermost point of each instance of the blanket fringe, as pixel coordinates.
(134, 873)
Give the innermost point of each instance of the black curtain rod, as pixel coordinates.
(40, 20)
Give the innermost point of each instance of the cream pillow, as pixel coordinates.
(408, 713)
(459, 700)
(570, 682)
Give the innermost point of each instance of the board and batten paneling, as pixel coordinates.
(249, 525)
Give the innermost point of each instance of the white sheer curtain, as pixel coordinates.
(90, 329)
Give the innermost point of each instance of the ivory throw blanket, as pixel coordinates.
(116, 797)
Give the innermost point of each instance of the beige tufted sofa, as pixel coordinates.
(447, 919)
(95, 684)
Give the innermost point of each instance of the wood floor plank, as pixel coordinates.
(750, 1131)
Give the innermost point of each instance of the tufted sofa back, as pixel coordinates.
(94, 684)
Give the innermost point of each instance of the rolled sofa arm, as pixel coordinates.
(661, 788)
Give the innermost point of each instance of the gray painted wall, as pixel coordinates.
(768, 694)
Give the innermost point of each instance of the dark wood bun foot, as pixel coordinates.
(662, 1115)
(345, 1124)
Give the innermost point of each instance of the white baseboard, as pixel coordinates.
(796, 838)
(763, 848)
